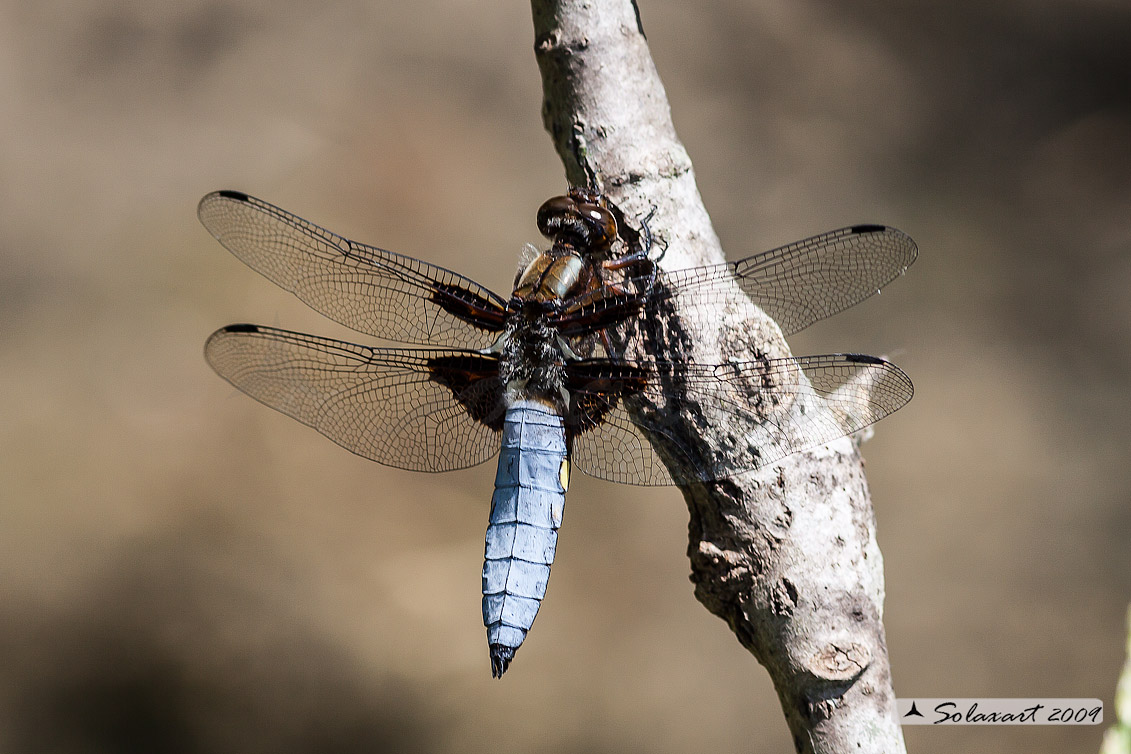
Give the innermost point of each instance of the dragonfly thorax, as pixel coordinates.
(532, 360)
(552, 276)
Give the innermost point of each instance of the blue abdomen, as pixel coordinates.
(526, 511)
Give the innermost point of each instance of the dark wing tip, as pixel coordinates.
(239, 328)
(210, 344)
(204, 208)
(895, 376)
(858, 358)
(500, 659)
(907, 243)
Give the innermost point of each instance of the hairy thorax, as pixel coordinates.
(532, 364)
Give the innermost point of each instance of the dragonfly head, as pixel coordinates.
(578, 220)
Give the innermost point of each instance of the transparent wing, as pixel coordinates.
(368, 289)
(771, 408)
(796, 285)
(417, 409)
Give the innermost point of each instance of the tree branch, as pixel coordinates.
(786, 556)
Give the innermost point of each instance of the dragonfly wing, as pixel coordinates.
(368, 289)
(772, 408)
(796, 285)
(807, 281)
(417, 409)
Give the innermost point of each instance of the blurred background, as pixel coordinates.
(185, 570)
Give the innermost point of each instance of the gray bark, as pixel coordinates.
(786, 556)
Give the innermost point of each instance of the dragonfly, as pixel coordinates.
(564, 372)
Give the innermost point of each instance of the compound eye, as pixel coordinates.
(551, 213)
(602, 224)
